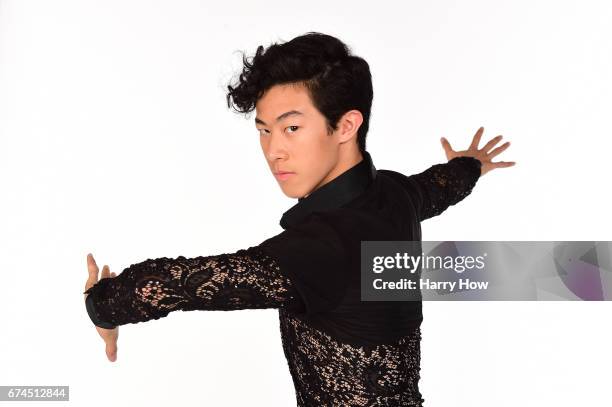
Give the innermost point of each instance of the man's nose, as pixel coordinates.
(276, 147)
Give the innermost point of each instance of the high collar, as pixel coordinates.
(340, 190)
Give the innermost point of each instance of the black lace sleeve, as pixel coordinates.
(246, 279)
(443, 185)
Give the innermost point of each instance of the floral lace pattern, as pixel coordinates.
(442, 185)
(327, 372)
(246, 279)
(324, 371)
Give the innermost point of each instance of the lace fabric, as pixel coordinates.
(325, 370)
(246, 279)
(443, 185)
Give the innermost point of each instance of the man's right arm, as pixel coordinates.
(246, 279)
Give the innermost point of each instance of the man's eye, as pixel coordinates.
(296, 127)
(260, 130)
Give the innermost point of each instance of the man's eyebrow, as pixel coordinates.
(279, 118)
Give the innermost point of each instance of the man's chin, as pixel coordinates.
(292, 194)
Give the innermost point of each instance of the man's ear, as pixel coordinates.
(349, 125)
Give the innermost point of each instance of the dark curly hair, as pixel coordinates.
(335, 80)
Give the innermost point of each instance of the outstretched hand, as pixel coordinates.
(484, 154)
(108, 335)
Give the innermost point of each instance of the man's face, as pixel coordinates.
(294, 139)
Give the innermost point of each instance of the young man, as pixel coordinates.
(313, 101)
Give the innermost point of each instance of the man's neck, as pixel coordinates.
(344, 164)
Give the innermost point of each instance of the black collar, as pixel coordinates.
(342, 189)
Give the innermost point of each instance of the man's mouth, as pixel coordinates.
(283, 175)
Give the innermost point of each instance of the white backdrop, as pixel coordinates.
(115, 139)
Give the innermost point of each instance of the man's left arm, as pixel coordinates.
(443, 185)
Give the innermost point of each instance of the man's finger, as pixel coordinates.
(503, 164)
(492, 143)
(92, 267)
(446, 145)
(92, 270)
(476, 139)
(111, 351)
(105, 271)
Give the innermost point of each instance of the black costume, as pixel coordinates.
(340, 351)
